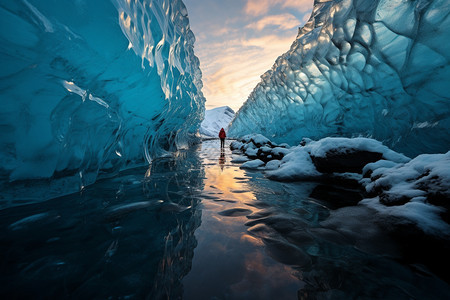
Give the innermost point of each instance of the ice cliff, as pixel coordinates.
(369, 68)
(92, 87)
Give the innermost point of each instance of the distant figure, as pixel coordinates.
(222, 136)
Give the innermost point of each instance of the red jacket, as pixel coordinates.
(222, 134)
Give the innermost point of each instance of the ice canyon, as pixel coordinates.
(377, 69)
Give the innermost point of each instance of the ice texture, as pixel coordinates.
(369, 68)
(92, 87)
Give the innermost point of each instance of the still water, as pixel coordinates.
(196, 226)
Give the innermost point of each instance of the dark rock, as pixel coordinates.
(335, 197)
(352, 161)
(393, 199)
(442, 200)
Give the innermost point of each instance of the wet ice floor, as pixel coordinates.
(196, 226)
(229, 262)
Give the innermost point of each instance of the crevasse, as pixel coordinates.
(89, 88)
(373, 68)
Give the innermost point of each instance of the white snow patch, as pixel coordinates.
(240, 159)
(424, 215)
(253, 164)
(236, 145)
(403, 179)
(341, 145)
(215, 119)
(260, 139)
(273, 164)
(279, 150)
(295, 165)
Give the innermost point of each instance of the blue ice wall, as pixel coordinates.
(92, 87)
(376, 68)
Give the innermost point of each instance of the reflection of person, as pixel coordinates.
(222, 136)
(222, 158)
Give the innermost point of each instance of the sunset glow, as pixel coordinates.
(239, 40)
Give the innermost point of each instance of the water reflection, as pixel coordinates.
(229, 263)
(131, 236)
(138, 236)
(341, 251)
(222, 158)
(263, 239)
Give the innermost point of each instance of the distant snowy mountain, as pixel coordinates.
(215, 119)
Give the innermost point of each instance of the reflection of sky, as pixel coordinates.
(227, 260)
(239, 40)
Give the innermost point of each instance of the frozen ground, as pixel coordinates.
(197, 226)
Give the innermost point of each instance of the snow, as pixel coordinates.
(279, 150)
(273, 164)
(427, 174)
(240, 159)
(253, 164)
(236, 145)
(379, 166)
(296, 165)
(215, 119)
(425, 216)
(251, 151)
(342, 145)
(404, 184)
(408, 179)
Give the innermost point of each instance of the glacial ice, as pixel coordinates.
(92, 87)
(371, 68)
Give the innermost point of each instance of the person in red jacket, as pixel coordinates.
(222, 136)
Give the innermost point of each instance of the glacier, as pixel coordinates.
(215, 119)
(376, 69)
(89, 88)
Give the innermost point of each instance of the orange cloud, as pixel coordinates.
(261, 7)
(234, 69)
(300, 5)
(283, 21)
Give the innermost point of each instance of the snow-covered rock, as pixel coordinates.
(422, 185)
(216, 118)
(253, 164)
(416, 191)
(297, 165)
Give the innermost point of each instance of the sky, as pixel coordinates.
(239, 40)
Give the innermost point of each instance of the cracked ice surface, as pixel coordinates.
(93, 87)
(372, 68)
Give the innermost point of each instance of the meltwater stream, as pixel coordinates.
(196, 226)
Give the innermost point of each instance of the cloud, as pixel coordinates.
(283, 21)
(261, 7)
(238, 41)
(300, 5)
(234, 69)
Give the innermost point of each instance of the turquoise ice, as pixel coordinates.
(92, 87)
(370, 68)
